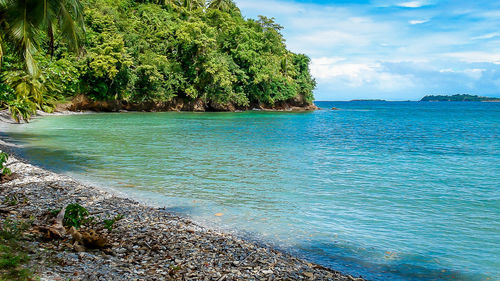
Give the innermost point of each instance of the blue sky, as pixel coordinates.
(392, 49)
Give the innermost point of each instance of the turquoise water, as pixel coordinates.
(387, 190)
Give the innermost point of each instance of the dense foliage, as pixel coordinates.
(24, 25)
(167, 51)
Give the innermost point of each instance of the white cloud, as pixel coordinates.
(490, 14)
(332, 38)
(328, 68)
(356, 75)
(476, 57)
(412, 4)
(474, 73)
(486, 36)
(327, 61)
(418, 21)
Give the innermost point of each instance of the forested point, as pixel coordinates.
(155, 55)
(459, 97)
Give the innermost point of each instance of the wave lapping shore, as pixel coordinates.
(147, 244)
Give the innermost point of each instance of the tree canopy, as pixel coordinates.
(159, 51)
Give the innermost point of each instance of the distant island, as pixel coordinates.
(463, 97)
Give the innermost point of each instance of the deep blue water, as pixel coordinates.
(386, 190)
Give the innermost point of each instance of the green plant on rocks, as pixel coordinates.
(4, 171)
(76, 216)
(108, 224)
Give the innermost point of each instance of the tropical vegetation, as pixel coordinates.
(25, 27)
(153, 53)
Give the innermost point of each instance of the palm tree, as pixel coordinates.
(162, 2)
(222, 5)
(22, 21)
(193, 4)
(21, 24)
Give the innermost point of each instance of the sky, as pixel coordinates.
(392, 49)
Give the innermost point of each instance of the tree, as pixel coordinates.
(193, 4)
(161, 53)
(222, 5)
(24, 25)
(22, 22)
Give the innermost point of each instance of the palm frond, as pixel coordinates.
(67, 24)
(68, 28)
(22, 22)
(1, 49)
(20, 30)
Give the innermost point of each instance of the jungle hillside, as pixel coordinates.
(146, 55)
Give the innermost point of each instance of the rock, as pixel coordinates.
(267, 271)
(309, 274)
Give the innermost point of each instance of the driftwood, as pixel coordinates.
(56, 230)
(89, 238)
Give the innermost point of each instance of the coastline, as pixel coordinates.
(83, 103)
(148, 243)
(76, 107)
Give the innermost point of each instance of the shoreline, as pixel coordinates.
(82, 102)
(148, 243)
(67, 109)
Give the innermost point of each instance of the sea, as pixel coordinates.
(383, 190)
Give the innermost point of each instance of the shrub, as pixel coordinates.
(21, 109)
(76, 216)
(4, 171)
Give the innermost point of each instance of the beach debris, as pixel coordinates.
(56, 230)
(93, 240)
(218, 214)
(77, 236)
(78, 248)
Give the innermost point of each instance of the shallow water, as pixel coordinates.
(387, 190)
